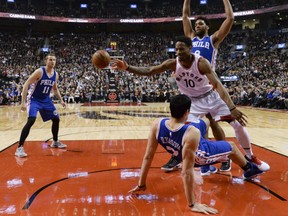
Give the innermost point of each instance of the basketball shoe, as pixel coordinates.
(260, 164)
(20, 152)
(172, 164)
(207, 169)
(253, 171)
(57, 144)
(225, 166)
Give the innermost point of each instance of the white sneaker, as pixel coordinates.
(58, 144)
(263, 166)
(20, 152)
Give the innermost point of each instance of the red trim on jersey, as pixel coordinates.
(227, 118)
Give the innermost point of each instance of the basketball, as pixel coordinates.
(101, 59)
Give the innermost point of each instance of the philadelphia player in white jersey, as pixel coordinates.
(184, 141)
(196, 78)
(36, 97)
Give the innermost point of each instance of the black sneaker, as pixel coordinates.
(226, 166)
(172, 164)
(252, 172)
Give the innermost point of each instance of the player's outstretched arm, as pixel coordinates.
(187, 25)
(226, 26)
(148, 158)
(145, 71)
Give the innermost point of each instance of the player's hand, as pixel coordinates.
(203, 208)
(239, 116)
(63, 104)
(137, 188)
(118, 64)
(23, 107)
(173, 74)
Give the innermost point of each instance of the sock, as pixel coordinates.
(242, 137)
(55, 128)
(247, 166)
(25, 131)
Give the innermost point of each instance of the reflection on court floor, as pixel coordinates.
(93, 178)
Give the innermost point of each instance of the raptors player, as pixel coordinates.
(207, 46)
(196, 79)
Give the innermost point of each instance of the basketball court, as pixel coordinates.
(106, 145)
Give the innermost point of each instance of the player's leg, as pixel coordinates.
(26, 130)
(55, 129)
(221, 150)
(218, 134)
(250, 169)
(210, 106)
(50, 113)
(32, 110)
(244, 140)
(220, 112)
(203, 125)
(24, 134)
(217, 131)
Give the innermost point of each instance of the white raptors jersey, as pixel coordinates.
(190, 81)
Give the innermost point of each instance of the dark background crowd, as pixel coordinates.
(254, 75)
(121, 9)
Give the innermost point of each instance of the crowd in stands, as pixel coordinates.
(121, 9)
(261, 68)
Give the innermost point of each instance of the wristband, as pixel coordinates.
(141, 186)
(232, 109)
(192, 205)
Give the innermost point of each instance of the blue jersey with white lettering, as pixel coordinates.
(172, 140)
(204, 47)
(208, 152)
(40, 90)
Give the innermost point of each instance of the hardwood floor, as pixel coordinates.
(267, 128)
(102, 162)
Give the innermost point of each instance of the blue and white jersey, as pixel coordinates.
(172, 140)
(40, 90)
(205, 48)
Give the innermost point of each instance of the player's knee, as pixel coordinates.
(31, 121)
(236, 125)
(56, 120)
(233, 146)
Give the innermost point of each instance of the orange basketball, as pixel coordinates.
(101, 59)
